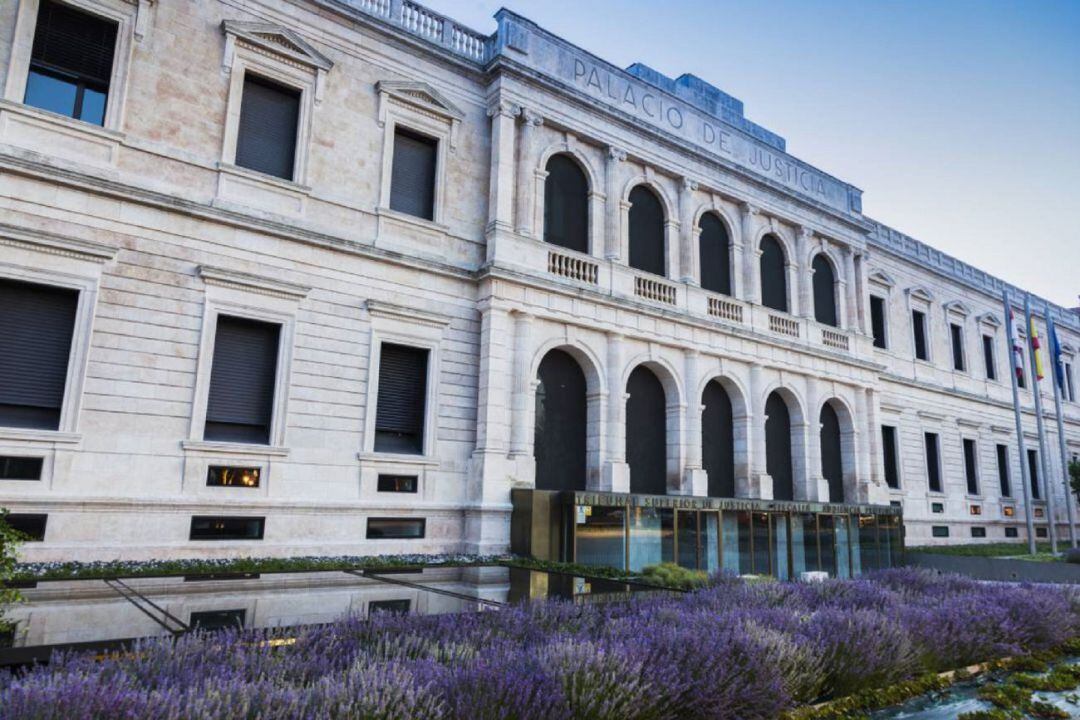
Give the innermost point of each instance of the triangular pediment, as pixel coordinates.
(421, 95)
(279, 40)
(881, 278)
(990, 319)
(920, 293)
(957, 307)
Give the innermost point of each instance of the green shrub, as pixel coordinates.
(10, 540)
(674, 576)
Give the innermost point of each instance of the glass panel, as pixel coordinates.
(780, 546)
(896, 542)
(729, 529)
(811, 561)
(761, 544)
(652, 536)
(688, 539)
(601, 536)
(868, 550)
(746, 560)
(50, 93)
(843, 558)
(798, 545)
(827, 543)
(710, 541)
(93, 106)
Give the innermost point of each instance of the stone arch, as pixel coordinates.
(716, 266)
(648, 179)
(593, 178)
(795, 443)
(774, 259)
(825, 297)
(561, 424)
(724, 435)
(566, 203)
(564, 148)
(674, 413)
(848, 446)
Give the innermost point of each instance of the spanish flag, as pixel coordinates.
(1034, 335)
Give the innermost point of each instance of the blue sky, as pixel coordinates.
(960, 120)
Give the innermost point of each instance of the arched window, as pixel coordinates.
(646, 433)
(824, 291)
(561, 421)
(832, 461)
(566, 204)
(718, 440)
(646, 231)
(773, 274)
(713, 249)
(778, 447)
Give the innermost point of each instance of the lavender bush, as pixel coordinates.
(730, 650)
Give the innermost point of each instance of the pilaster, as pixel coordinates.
(501, 182)
(695, 480)
(688, 256)
(851, 296)
(806, 274)
(615, 476)
(526, 172)
(750, 252)
(760, 483)
(612, 203)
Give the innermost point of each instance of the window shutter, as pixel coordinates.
(266, 137)
(412, 179)
(399, 415)
(646, 221)
(36, 326)
(74, 42)
(566, 205)
(241, 401)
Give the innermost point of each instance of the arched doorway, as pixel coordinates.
(778, 447)
(824, 291)
(561, 422)
(646, 220)
(718, 440)
(773, 274)
(714, 254)
(566, 204)
(646, 432)
(832, 457)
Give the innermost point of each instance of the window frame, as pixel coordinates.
(975, 466)
(896, 457)
(926, 462)
(884, 320)
(406, 131)
(957, 343)
(990, 363)
(1001, 451)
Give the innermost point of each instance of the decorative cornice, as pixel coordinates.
(989, 319)
(420, 94)
(252, 283)
(881, 278)
(415, 316)
(53, 244)
(277, 40)
(920, 293)
(956, 306)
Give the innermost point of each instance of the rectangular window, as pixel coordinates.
(978, 532)
(937, 508)
(20, 468)
(1011, 532)
(933, 462)
(971, 467)
(988, 357)
(877, 321)
(1070, 389)
(402, 528)
(918, 328)
(266, 134)
(30, 525)
(412, 178)
(1033, 472)
(957, 334)
(208, 527)
(1040, 532)
(71, 62)
(940, 531)
(398, 607)
(1003, 470)
(975, 510)
(229, 476)
(36, 327)
(397, 483)
(241, 400)
(888, 447)
(1008, 511)
(209, 620)
(401, 401)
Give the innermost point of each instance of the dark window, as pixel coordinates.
(1011, 532)
(560, 429)
(1040, 532)
(714, 248)
(978, 532)
(646, 221)
(832, 461)
(207, 527)
(209, 620)
(240, 405)
(566, 204)
(957, 334)
(646, 432)
(229, 476)
(824, 291)
(773, 274)
(1070, 389)
(877, 321)
(933, 462)
(940, 531)
(988, 357)
(403, 528)
(918, 327)
(888, 447)
(1003, 470)
(778, 447)
(398, 607)
(937, 507)
(13, 467)
(71, 62)
(30, 525)
(397, 483)
(266, 136)
(970, 467)
(412, 178)
(402, 400)
(1033, 472)
(36, 326)
(718, 440)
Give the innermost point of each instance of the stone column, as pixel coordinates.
(522, 384)
(688, 255)
(862, 293)
(760, 485)
(805, 272)
(750, 252)
(501, 182)
(616, 474)
(695, 480)
(817, 486)
(612, 203)
(851, 294)
(526, 176)
(862, 449)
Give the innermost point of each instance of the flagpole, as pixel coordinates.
(1013, 347)
(1037, 392)
(1055, 357)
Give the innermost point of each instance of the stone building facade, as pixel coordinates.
(410, 221)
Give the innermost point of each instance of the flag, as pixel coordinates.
(1034, 335)
(1055, 353)
(1017, 347)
